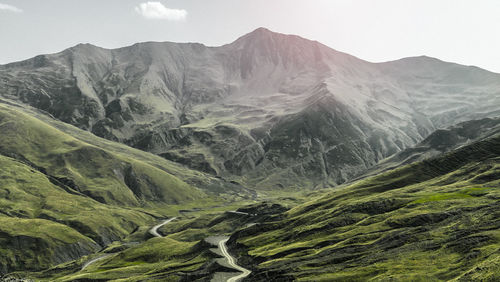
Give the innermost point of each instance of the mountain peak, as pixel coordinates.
(80, 46)
(262, 30)
(265, 40)
(263, 33)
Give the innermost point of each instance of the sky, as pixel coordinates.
(465, 32)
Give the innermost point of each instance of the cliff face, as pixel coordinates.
(269, 107)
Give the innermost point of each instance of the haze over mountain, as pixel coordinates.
(269, 110)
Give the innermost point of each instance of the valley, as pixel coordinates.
(271, 158)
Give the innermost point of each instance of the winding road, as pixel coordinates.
(222, 246)
(95, 260)
(238, 212)
(231, 260)
(154, 231)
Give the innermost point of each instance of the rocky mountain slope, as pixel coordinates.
(437, 143)
(268, 110)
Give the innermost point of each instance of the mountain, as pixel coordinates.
(432, 220)
(99, 145)
(268, 111)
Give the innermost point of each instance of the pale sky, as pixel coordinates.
(466, 32)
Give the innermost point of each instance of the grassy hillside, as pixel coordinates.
(206, 182)
(42, 224)
(433, 220)
(158, 259)
(84, 168)
(429, 221)
(62, 197)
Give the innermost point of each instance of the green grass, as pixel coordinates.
(203, 181)
(23, 239)
(157, 256)
(430, 221)
(34, 209)
(95, 171)
(180, 251)
(77, 191)
(465, 193)
(441, 197)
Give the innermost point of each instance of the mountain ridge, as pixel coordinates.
(257, 30)
(173, 99)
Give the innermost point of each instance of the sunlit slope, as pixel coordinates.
(62, 198)
(203, 181)
(42, 224)
(433, 220)
(87, 169)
